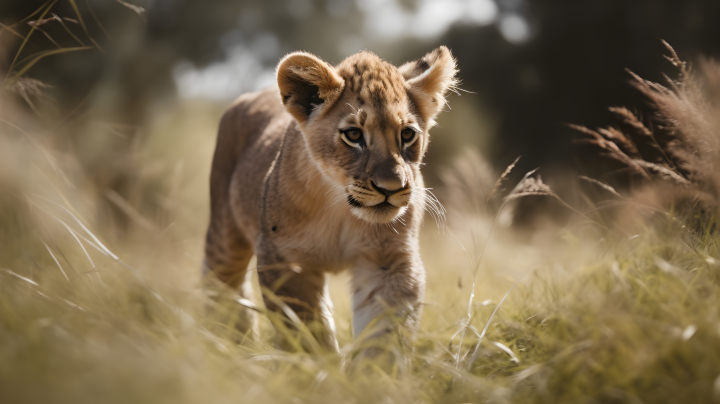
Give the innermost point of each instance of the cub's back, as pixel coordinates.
(249, 137)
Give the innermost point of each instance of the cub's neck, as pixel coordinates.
(303, 182)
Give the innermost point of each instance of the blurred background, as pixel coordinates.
(528, 66)
(133, 90)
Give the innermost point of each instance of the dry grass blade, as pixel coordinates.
(502, 177)
(507, 351)
(30, 281)
(677, 62)
(250, 305)
(648, 87)
(296, 322)
(97, 21)
(679, 146)
(27, 38)
(96, 243)
(12, 31)
(636, 129)
(476, 351)
(60, 20)
(42, 55)
(530, 186)
(72, 233)
(610, 149)
(601, 185)
(27, 87)
(137, 9)
(624, 143)
(478, 261)
(631, 120)
(37, 23)
(82, 24)
(56, 261)
(130, 211)
(658, 171)
(39, 9)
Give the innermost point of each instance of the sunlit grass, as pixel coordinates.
(101, 297)
(100, 308)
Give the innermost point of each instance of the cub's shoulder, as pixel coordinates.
(260, 105)
(249, 116)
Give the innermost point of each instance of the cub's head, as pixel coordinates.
(366, 123)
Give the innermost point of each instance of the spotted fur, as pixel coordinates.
(288, 185)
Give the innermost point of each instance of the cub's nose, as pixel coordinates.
(388, 179)
(397, 186)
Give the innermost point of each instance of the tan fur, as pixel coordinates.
(286, 186)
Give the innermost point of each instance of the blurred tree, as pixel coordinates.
(543, 63)
(572, 68)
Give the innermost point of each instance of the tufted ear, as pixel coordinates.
(307, 84)
(428, 79)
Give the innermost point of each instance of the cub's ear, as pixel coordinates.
(428, 80)
(307, 84)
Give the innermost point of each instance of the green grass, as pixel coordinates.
(629, 317)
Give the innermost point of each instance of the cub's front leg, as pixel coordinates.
(387, 292)
(303, 291)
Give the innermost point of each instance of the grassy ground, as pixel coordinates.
(101, 234)
(100, 298)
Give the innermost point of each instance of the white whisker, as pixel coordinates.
(333, 188)
(311, 165)
(432, 205)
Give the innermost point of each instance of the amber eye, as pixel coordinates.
(407, 135)
(353, 137)
(353, 134)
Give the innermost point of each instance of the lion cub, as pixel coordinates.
(323, 177)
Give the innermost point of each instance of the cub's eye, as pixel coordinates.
(408, 136)
(352, 136)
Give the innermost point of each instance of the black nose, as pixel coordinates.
(384, 191)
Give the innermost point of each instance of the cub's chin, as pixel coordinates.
(384, 212)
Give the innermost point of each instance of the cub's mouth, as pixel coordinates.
(383, 205)
(376, 212)
(352, 201)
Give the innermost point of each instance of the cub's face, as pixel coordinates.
(366, 123)
(372, 153)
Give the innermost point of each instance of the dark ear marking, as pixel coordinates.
(422, 65)
(414, 68)
(306, 83)
(307, 96)
(429, 79)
